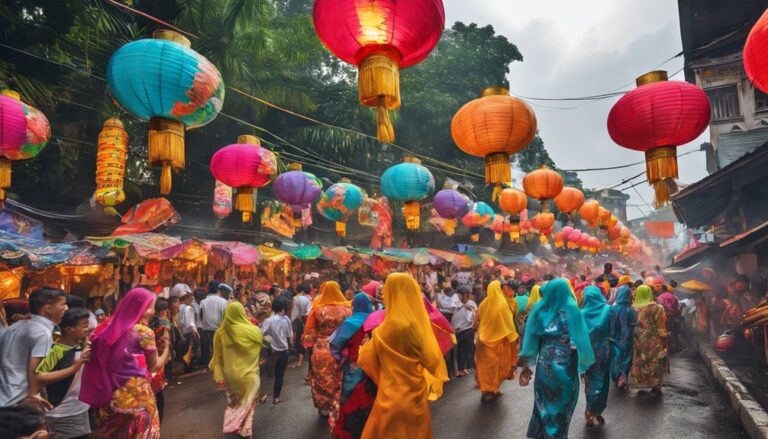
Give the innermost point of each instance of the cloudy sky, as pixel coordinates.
(584, 48)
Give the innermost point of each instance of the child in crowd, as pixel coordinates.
(21, 422)
(279, 333)
(60, 372)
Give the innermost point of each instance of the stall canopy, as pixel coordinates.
(36, 254)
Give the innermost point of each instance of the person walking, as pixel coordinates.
(623, 319)
(464, 322)
(237, 346)
(598, 378)
(212, 311)
(496, 350)
(279, 333)
(554, 328)
(649, 348)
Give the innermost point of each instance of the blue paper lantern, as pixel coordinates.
(409, 182)
(338, 202)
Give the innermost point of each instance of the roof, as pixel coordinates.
(698, 204)
(754, 236)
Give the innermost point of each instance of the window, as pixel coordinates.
(725, 102)
(761, 100)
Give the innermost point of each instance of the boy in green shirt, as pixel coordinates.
(60, 372)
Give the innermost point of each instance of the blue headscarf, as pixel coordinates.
(624, 297)
(557, 297)
(361, 307)
(595, 309)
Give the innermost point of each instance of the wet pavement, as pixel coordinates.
(691, 406)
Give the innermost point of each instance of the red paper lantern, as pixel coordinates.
(656, 117)
(380, 37)
(755, 61)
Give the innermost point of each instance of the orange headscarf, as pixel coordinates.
(330, 294)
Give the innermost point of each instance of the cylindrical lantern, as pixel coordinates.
(569, 200)
(222, 200)
(340, 201)
(480, 215)
(451, 205)
(24, 132)
(512, 202)
(110, 164)
(494, 126)
(656, 117)
(409, 182)
(380, 38)
(165, 82)
(590, 212)
(755, 61)
(297, 189)
(543, 184)
(245, 166)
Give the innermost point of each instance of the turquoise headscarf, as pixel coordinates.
(624, 296)
(595, 309)
(557, 297)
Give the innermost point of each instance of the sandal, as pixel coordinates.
(601, 419)
(591, 418)
(263, 399)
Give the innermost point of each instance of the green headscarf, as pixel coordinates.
(557, 297)
(643, 296)
(595, 309)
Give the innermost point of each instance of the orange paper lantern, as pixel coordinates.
(543, 222)
(512, 201)
(590, 212)
(543, 184)
(569, 200)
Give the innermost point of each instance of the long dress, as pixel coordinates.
(496, 349)
(649, 354)
(623, 321)
(325, 379)
(597, 378)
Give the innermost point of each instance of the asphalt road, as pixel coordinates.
(691, 406)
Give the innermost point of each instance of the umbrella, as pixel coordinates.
(696, 286)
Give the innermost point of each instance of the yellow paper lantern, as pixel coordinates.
(110, 164)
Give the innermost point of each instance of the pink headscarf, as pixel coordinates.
(111, 366)
(370, 288)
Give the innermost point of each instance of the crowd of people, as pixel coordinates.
(378, 348)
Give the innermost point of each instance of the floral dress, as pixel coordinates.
(556, 383)
(132, 413)
(649, 358)
(325, 379)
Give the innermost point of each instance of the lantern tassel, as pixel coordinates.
(5, 176)
(661, 169)
(450, 227)
(412, 211)
(244, 202)
(497, 168)
(497, 189)
(385, 132)
(341, 229)
(166, 179)
(475, 237)
(165, 145)
(379, 86)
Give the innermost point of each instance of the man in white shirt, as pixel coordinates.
(302, 304)
(188, 322)
(447, 303)
(24, 345)
(212, 310)
(464, 319)
(278, 332)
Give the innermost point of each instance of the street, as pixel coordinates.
(691, 407)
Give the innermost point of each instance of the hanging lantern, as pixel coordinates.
(569, 200)
(245, 166)
(590, 212)
(614, 232)
(340, 201)
(451, 205)
(24, 132)
(409, 182)
(494, 126)
(165, 82)
(222, 200)
(478, 217)
(543, 184)
(656, 117)
(610, 222)
(624, 235)
(297, 189)
(559, 240)
(584, 241)
(513, 202)
(593, 244)
(380, 38)
(603, 216)
(543, 222)
(110, 164)
(574, 238)
(755, 62)
(498, 225)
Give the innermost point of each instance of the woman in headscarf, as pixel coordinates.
(345, 345)
(329, 310)
(118, 376)
(556, 338)
(235, 365)
(623, 320)
(404, 360)
(598, 378)
(496, 348)
(649, 356)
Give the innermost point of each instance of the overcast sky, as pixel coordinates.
(583, 48)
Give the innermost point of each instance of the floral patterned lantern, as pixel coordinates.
(222, 200)
(110, 164)
(178, 87)
(24, 132)
(480, 215)
(451, 205)
(380, 37)
(297, 189)
(494, 126)
(245, 166)
(409, 182)
(657, 117)
(340, 201)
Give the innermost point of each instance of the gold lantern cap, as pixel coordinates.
(114, 122)
(171, 35)
(494, 91)
(10, 93)
(411, 159)
(345, 180)
(654, 76)
(248, 139)
(294, 166)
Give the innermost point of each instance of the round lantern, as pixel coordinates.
(624, 234)
(656, 117)
(593, 244)
(559, 240)
(569, 200)
(543, 184)
(409, 182)
(584, 241)
(567, 230)
(574, 238)
(590, 212)
(380, 38)
(513, 202)
(297, 189)
(543, 222)
(222, 200)
(494, 126)
(24, 132)
(451, 205)
(340, 201)
(110, 164)
(614, 232)
(479, 216)
(498, 225)
(165, 82)
(245, 166)
(755, 62)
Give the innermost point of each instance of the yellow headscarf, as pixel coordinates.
(236, 349)
(533, 299)
(330, 294)
(623, 280)
(406, 329)
(643, 296)
(496, 319)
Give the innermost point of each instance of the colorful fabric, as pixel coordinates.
(597, 378)
(643, 297)
(595, 309)
(323, 320)
(649, 356)
(623, 319)
(495, 316)
(405, 361)
(533, 298)
(330, 294)
(238, 417)
(131, 413)
(111, 365)
(354, 414)
(361, 308)
(441, 327)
